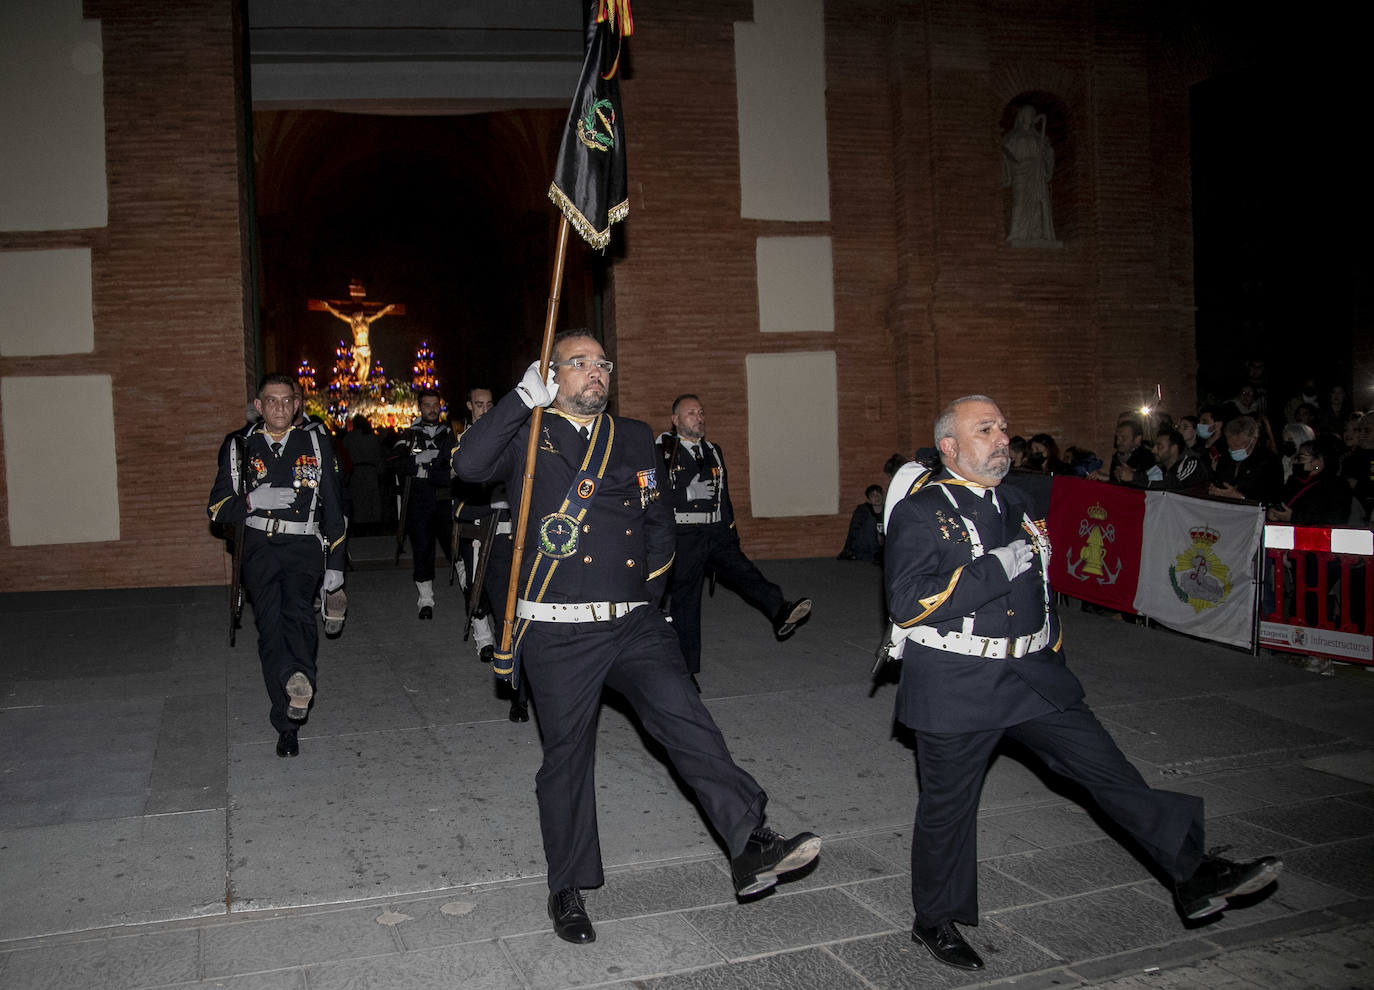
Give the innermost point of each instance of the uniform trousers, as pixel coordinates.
(713, 545)
(427, 520)
(1167, 825)
(281, 574)
(636, 656)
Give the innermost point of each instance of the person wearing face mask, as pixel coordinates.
(1307, 395)
(1247, 470)
(1294, 436)
(1315, 495)
(1210, 422)
(1044, 456)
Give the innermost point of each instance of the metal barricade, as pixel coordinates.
(1318, 595)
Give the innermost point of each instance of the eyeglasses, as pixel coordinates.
(586, 364)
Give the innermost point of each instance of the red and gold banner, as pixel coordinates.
(1095, 533)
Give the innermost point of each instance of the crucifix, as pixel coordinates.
(359, 314)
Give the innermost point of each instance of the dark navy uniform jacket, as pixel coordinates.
(933, 579)
(625, 540)
(296, 466)
(681, 471)
(432, 480)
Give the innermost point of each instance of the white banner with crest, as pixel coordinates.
(1197, 566)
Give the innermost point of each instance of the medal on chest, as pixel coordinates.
(306, 472)
(648, 487)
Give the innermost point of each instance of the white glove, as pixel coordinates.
(425, 456)
(333, 580)
(1015, 559)
(268, 497)
(698, 489)
(536, 391)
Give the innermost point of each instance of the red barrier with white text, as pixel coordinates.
(1319, 592)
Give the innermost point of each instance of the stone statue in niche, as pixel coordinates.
(1027, 164)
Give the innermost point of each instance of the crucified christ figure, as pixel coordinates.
(360, 323)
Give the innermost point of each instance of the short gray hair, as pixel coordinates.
(944, 423)
(1242, 426)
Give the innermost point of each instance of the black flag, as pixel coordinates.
(589, 182)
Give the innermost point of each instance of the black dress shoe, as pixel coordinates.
(947, 945)
(767, 854)
(287, 744)
(569, 914)
(1216, 879)
(487, 654)
(426, 612)
(789, 615)
(519, 712)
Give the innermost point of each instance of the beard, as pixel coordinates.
(588, 404)
(995, 465)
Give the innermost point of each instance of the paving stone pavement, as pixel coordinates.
(150, 838)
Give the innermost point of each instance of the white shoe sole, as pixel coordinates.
(794, 860)
(1255, 884)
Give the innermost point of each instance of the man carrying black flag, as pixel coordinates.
(586, 600)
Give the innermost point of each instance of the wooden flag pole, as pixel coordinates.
(536, 416)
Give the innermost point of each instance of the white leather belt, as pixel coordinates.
(275, 525)
(502, 528)
(991, 647)
(573, 611)
(696, 518)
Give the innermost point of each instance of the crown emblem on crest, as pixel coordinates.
(1204, 535)
(1097, 512)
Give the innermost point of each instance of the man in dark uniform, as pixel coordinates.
(966, 576)
(488, 502)
(588, 617)
(422, 453)
(474, 503)
(282, 483)
(706, 535)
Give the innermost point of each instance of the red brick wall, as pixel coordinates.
(930, 303)
(169, 291)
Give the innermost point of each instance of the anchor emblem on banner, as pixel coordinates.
(1092, 559)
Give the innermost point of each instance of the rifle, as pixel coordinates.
(486, 536)
(401, 518)
(236, 567)
(455, 563)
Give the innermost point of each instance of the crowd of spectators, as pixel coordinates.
(1308, 457)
